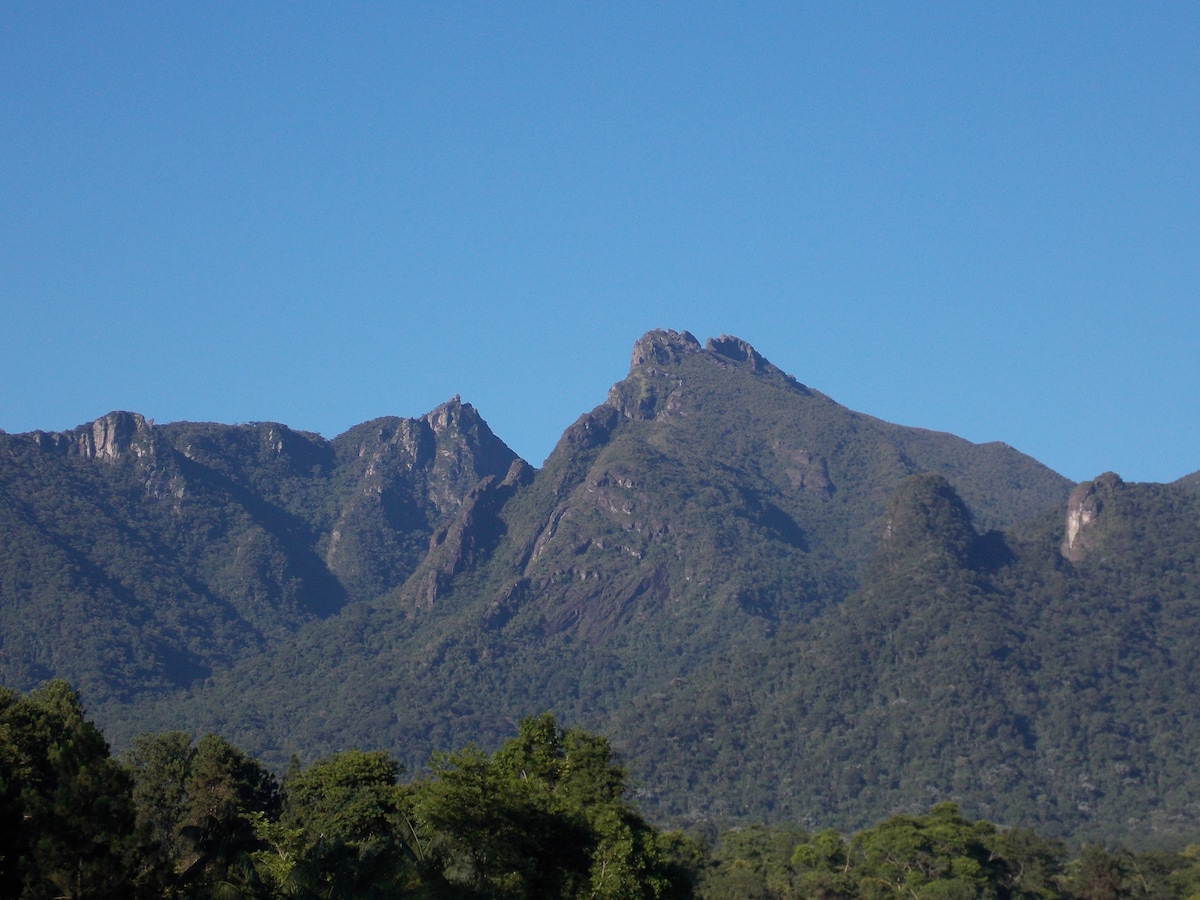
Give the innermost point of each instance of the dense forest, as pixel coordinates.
(545, 816)
(778, 610)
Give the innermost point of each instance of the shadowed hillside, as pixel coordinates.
(778, 608)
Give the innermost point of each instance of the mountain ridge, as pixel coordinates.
(682, 573)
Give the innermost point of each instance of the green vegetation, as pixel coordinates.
(781, 610)
(936, 855)
(67, 819)
(137, 560)
(1028, 689)
(545, 816)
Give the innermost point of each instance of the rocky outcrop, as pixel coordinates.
(1085, 508)
(411, 477)
(470, 536)
(925, 518)
(591, 429)
(662, 347)
(107, 439)
(737, 350)
(804, 471)
(641, 398)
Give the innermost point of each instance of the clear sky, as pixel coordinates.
(981, 218)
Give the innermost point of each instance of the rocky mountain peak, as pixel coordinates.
(736, 349)
(451, 414)
(107, 439)
(114, 434)
(1084, 508)
(662, 346)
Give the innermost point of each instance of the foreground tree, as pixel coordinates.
(67, 822)
(200, 802)
(545, 816)
(343, 830)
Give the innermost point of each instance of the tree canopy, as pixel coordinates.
(547, 815)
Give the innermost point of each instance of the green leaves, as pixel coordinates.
(345, 824)
(544, 816)
(937, 855)
(691, 572)
(200, 804)
(500, 831)
(67, 825)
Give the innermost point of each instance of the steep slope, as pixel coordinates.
(990, 669)
(710, 473)
(137, 559)
(708, 503)
(1191, 482)
(778, 609)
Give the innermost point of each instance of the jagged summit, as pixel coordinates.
(745, 582)
(736, 349)
(108, 438)
(664, 346)
(660, 365)
(453, 414)
(120, 432)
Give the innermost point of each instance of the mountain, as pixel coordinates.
(138, 559)
(779, 609)
(710, 498)
(1191, 482)
(998, 670)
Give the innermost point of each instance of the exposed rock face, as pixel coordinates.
(107, 439)
(1084, 508)
(111, 435)
(638, 504)
(643, 396)
(413, 476)
(636, 398)
(662, 347)
(803, 469)
(735, 349)
(592, 429)
(470, 535)
(412, 581)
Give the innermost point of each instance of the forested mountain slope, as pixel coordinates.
(988, 669)
(139, 558)
(777, 608)
(709, 501)
(1192, 481)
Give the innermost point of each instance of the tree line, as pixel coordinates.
(545, 816)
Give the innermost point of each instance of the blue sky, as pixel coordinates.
(976, 218)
